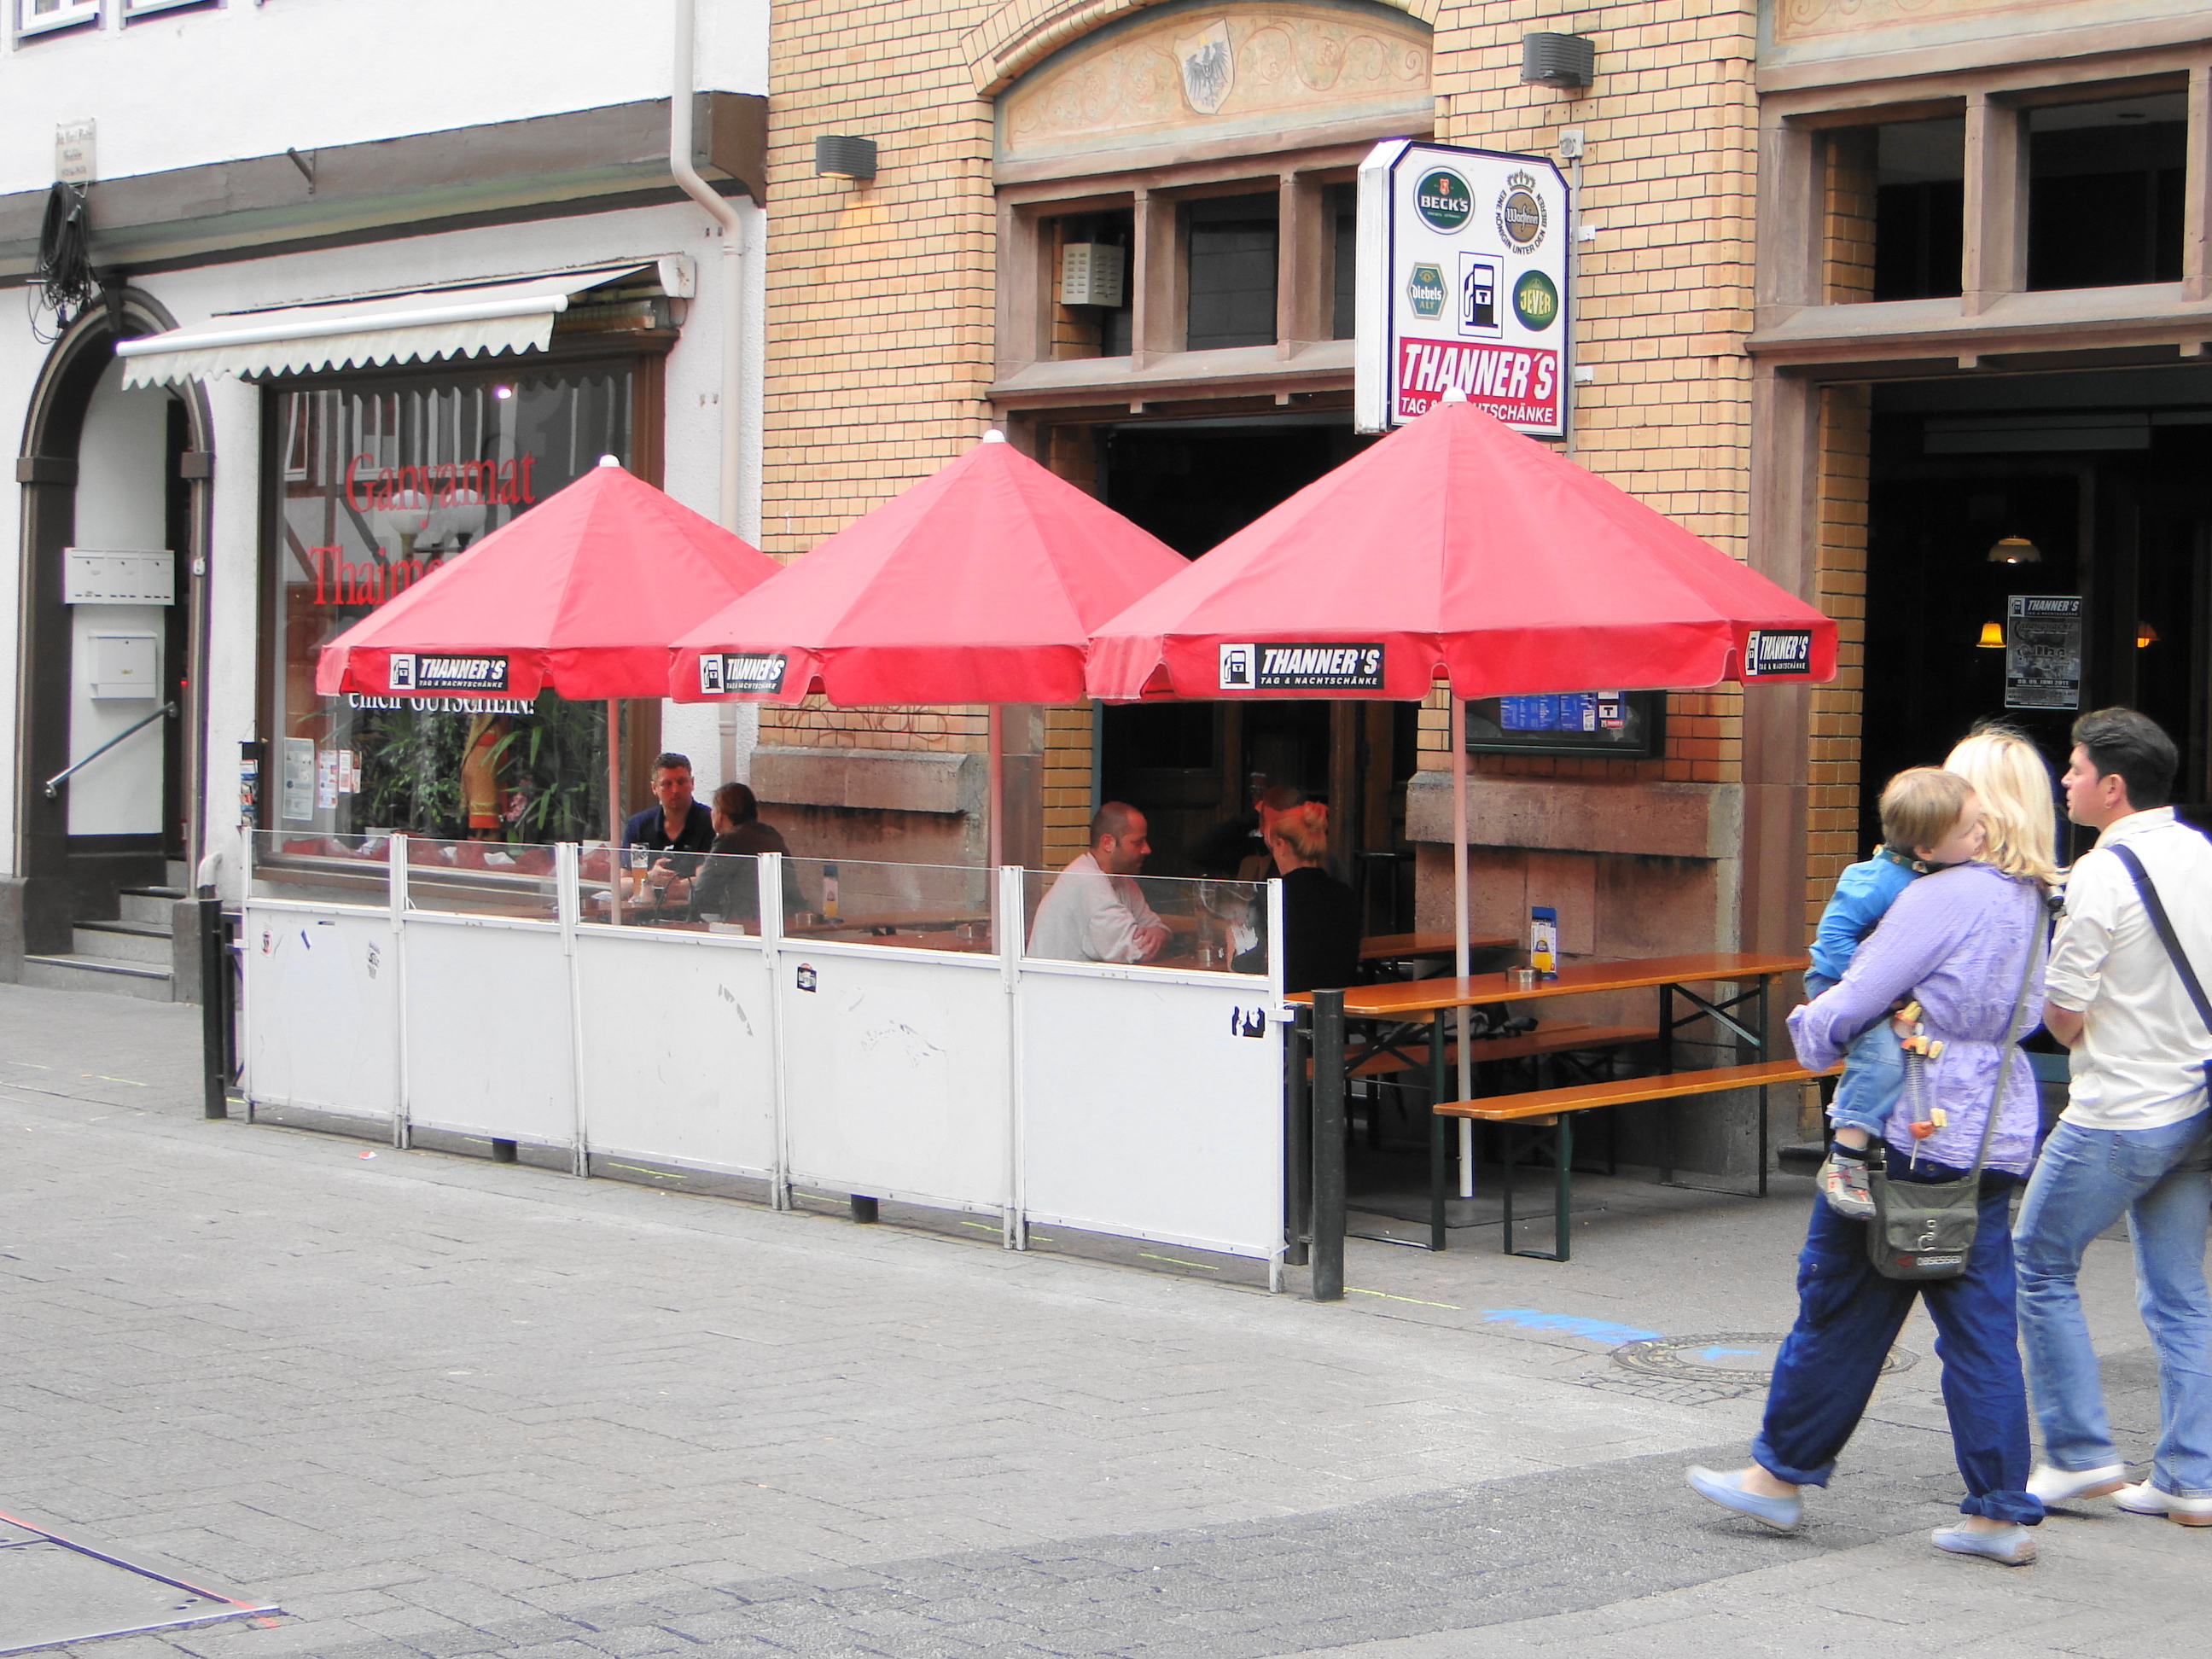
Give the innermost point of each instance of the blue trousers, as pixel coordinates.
(1848, 1318)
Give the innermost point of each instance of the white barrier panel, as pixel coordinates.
(895, 1074)
(488, 1035)
(1153, 1109)
(320, 1009)
(678, 1048)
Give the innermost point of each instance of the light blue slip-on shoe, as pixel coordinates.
(2015, 1547)
(1782, 1514)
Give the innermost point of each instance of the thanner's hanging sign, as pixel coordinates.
(1462, 282)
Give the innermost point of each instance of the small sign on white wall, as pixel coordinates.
(118, 576)
(74, 163)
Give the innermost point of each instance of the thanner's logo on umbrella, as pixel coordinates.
(722, 672)
(1318, 667)
(1770, 652)
(411, 671)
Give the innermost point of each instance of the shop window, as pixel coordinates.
(2104, 191)
(1895, 209)
(1229, 244)
(1340, 220)
(380, 481)
(1088, 262)
(38, 16)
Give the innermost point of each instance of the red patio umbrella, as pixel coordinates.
(1457, 548)
(979, 584)
(581, 595)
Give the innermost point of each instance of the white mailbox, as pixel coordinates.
(125, 665)
(118, 576)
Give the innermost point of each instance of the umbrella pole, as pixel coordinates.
(614, 812)
(998, 838)
(1460, 950)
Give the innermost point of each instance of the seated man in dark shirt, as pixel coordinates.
(676, 824)
(729, 890)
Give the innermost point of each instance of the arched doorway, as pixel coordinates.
(107, 646)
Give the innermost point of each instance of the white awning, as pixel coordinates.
(404, 328)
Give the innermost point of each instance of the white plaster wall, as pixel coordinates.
(253, 77)
(119, 505)
(693, 431)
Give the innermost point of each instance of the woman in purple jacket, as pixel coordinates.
(1958, 942)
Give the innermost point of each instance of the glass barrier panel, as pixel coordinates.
(510, 878)
(322, 869)
(1164, 922)
(690, 892)
(922, 907)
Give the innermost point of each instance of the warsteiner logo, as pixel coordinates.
(1302, 667)
(1521, 218)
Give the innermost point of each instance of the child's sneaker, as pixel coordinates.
(1842, 1180)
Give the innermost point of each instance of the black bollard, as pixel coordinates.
(214, 1013)
(1328, 1222)
(1297, 1139)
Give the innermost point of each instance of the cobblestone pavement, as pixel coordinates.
(436, 1406)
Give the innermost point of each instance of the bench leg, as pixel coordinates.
(1439, 1160)
(1510, 1155)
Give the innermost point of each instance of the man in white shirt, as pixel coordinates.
(2133, 1139)
(1094, 911)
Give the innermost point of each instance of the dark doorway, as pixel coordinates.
(1190, 766)
(2110, 496)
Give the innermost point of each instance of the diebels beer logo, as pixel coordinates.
(1535, 301)
(1424, 290)
(723, 673)
(1302, 667)
(409, 670)
(1520, 217)
(1774, 653)
(1443, 200)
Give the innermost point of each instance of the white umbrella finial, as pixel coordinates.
(608, 460)
(1454, 395)
(995, 437)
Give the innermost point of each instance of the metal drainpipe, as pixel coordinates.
(680, 100)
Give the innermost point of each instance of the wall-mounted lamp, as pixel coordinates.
(2145, 635)
(1559, 60)
(502, 392)
(841, 155)
(2016, 549)
(1992, 637)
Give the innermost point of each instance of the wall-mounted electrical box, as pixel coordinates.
(1090, 274)
(126, 665)
(118, 576)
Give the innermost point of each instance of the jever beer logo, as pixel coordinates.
(1444, 199)
(1535, 301)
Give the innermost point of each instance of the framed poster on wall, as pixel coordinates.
(1617, 725)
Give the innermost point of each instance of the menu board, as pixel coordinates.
(1623, 724)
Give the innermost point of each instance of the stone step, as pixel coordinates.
(102, 974)
(125, 941)
(149, 904)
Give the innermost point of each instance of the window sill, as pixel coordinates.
(1323, 365)
(2043, 319)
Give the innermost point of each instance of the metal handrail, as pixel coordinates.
(167, 711)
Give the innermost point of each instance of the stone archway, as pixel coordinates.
(60, 878)
(1019, 34)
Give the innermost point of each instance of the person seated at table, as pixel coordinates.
(1321, 917)
(732, 892)
(676, 824)
(1094, 911)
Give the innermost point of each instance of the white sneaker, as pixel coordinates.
(2144, 1498)
(2063, 1485)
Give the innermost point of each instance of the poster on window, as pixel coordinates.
(1462, 283)
(2043, 651)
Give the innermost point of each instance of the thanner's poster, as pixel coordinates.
(2043, 651)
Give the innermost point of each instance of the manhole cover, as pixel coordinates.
(1735, 1356)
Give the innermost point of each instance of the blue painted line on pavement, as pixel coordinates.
(1597, 1330)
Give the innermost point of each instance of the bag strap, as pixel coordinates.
(2159, 920)
(2035, 943)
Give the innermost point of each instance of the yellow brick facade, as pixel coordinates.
(881, 297)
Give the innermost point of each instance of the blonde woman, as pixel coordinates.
(1321, 917)
(2019, 815)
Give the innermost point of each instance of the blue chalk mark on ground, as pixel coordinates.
(1713, 1353)
(1597, 1330)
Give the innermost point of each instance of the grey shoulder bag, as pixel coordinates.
(1925, 1229)
(2149, 893)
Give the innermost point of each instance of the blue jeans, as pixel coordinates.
(2085, 1179)
(1873, 1077)
(1848, 1317)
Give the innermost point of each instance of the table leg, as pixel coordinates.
(1505, 1185)
(1328, 1249)
(1439, 1161)
(1765, 1045)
